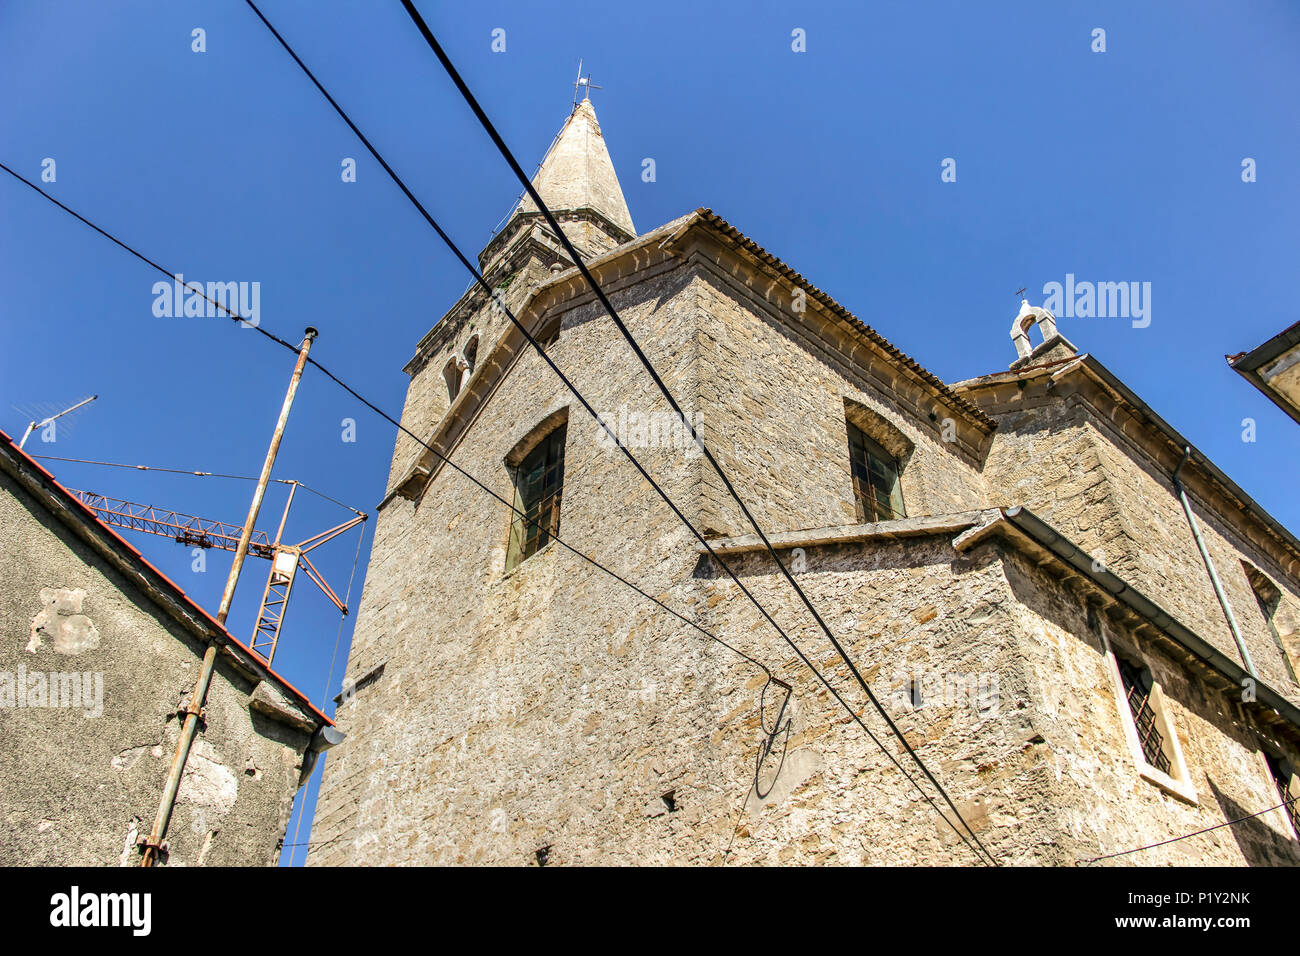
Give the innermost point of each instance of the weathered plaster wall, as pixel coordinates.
(79, 791)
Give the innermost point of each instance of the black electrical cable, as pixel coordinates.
(771, 678)
(541, 351)
(1228, 823)
(479, 280)
(663, 388)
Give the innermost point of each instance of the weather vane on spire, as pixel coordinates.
(584, 84)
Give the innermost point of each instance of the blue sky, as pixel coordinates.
(225, 165)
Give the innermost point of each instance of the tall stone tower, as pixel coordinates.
(511, 699)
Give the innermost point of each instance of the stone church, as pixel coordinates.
(1087, 631)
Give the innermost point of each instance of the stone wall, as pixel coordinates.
(550, 714)
(1115, 498)
(551, 707)
(773, 395)
(1102, 805)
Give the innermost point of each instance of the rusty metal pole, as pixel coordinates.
(194, 710)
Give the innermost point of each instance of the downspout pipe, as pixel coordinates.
(151, 847)
(1209, 566)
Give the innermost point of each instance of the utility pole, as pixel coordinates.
(194, 710)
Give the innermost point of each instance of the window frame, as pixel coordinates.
(521, 544)
(872, 449)
(1291, 814)
(1177, 781)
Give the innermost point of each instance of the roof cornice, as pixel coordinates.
(1232, 499)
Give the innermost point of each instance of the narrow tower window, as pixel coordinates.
(539, 482)
(451, 373)
(471, 354)
(875, 479)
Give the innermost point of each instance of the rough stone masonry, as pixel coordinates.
(547, 714)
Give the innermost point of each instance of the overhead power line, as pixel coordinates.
(480, 281)
(196, 474)
(771, 678)
(491, 130)
(1229, 823)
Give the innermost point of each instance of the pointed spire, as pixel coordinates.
(577, 172)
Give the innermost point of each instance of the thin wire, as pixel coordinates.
(329, 679)
(451, 464)
(199, 474)
(1229, 823)
(234, 316)
(632, 458)
(338, 637)
(469, 97)
(478, 278)
(291, 348)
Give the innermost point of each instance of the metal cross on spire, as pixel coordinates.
(584, 84)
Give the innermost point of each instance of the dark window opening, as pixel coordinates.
(539, 482)
(876, 487)
(1137, 690)
(451, 375)
(670, 800)
(471, 354)
(543, 855)
(1283, 775)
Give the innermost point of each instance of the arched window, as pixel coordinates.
(878, 453)
(470, 351)
(1027, 318)
(536, 468)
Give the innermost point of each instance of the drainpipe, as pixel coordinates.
(1209, 566)
(194, 711)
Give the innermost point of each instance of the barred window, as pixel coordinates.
(1137, 690)
(539, 481)
(876, 487)
(1283, 777)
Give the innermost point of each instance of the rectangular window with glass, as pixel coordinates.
(539, 481)
(876, 486)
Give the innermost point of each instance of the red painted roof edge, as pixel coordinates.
(185, 598)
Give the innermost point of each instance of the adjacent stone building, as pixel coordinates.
(1007, 560)
(98, 662)
(1273, 367)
